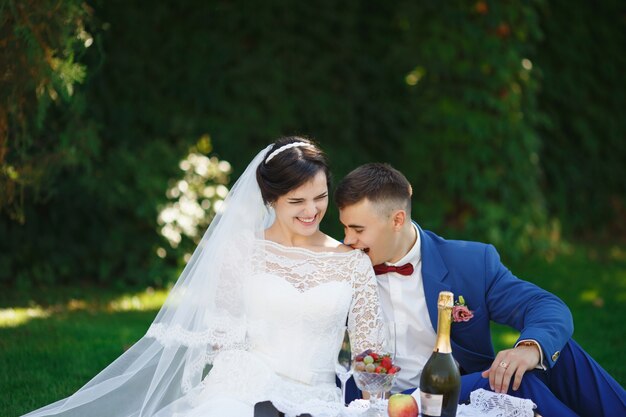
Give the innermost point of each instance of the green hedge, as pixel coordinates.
(584, 96)
(472, 150)
(446, 92)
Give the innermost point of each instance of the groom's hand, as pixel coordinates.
(511, 363)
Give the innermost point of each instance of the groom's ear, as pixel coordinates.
(398, 218)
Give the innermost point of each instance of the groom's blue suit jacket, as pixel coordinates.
(492, 292)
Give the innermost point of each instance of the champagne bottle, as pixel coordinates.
(440, 383)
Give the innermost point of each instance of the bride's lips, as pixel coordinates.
(307, 221)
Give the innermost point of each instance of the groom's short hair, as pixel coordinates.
(380, 183)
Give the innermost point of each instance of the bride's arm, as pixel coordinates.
(365, 317)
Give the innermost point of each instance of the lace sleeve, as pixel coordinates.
(364, 318)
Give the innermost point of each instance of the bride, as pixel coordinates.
(258, 313)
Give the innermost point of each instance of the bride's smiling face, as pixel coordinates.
(301, 210)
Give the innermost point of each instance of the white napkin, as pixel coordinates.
(485, 403)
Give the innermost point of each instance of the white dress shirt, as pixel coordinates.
(403, 302)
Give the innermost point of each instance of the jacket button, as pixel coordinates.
(556, 355)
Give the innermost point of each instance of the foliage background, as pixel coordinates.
(582, 95)
(504, 116)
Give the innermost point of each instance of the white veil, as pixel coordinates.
(202, 314)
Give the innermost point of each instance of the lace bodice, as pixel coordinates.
(335, 286)
(282, 314)
(297, 303)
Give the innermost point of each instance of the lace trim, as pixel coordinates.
(489, 404)
(304, 268)
(308, 252)
(216, 337)
(191, 378)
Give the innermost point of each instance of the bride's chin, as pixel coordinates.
(307, 230)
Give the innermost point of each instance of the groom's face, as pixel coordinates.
(367, 229)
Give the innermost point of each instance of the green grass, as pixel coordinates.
(53, 344)
(53, 341)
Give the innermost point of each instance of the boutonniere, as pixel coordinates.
(460, 311)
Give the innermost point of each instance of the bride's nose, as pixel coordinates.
(311, 209)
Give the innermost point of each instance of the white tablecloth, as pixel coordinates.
(482, 404)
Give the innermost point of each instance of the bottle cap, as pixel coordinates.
(446, 299)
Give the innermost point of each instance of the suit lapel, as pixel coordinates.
(434, 272)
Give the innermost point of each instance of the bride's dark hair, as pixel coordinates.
(285, 167)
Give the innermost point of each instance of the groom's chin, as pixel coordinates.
(367, 252)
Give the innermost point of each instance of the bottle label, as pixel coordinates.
(431, 404)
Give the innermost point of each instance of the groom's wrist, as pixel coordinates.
(533, 343)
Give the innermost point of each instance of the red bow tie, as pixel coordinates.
(406, 269)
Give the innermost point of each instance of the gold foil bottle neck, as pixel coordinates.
(446, 299)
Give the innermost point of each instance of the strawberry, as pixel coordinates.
(386, 362)
(370, 361)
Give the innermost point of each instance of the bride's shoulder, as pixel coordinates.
(334, 245)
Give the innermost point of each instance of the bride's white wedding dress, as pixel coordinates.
(248, 320)
(295, 316)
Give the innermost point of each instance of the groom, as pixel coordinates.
(414, 265)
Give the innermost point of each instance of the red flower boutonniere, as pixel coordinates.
(460, 312)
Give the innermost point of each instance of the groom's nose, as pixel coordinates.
(349, 239)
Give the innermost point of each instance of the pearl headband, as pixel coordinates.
(285, 147)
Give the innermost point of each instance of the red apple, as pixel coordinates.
(402, 405)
